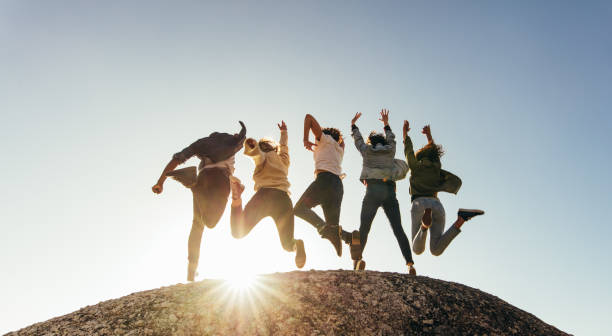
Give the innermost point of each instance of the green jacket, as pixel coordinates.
(427, 178)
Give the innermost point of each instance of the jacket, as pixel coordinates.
(377, 161)
(427, 178)
(271, 168)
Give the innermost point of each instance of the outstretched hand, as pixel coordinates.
(426, 130)
(384, 116)
(406, 128)
(355, 118)
(282, 126)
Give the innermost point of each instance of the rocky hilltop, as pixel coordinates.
(303, 303)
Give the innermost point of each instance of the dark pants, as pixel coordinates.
(209, 200)
(266, 202)
(327, 190)
(379, 193)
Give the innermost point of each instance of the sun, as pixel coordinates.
(241, 282)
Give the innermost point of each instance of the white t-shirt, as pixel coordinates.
(328, 155)
(226, 164)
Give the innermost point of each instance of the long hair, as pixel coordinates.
(431, 151)
(333, 132)
(267, 145)
(377, 138)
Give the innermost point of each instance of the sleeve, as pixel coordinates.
(187, 152)
(361, 146)
(390, 137)
(409, 153)
(284, 148)
(254, 152)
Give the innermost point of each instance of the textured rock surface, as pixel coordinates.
(305, 303)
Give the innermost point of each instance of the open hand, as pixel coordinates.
(406, 128)
(384, 116)
(355, 118)
(282, 126)
(426, 130)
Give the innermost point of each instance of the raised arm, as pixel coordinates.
(408, 148)
(311, 124)
(284, 148)
(427, 131)
(359, 143)
(389, 135)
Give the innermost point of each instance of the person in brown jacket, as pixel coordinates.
(209, 184)
(271, 194)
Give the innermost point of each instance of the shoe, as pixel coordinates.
(186, 176)
(359, 265)
(332, 233)
(300, 253)
(467, 214)
(191, 271)
(355, 245)
(411, 270)
(237, 187)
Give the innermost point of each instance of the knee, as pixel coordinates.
(417, 250)
(197, 224)
(288, 246)
(300, 209)
(435, 251)
(237, 234)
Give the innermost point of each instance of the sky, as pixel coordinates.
(96, 96)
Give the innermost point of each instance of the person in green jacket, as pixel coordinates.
(427, 178)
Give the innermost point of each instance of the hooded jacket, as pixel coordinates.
(271, 168)
(427, 178)
(378, 161)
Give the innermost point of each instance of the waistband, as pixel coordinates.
(413, 197)
(379, 181)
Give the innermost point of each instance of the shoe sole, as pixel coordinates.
(476, 211)
(300, 254)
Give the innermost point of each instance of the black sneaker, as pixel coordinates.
(332, 233)
(468, 214)
(359, 265)
(355, 246)
(300, 253)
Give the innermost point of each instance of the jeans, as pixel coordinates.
(209, 200)
(327, 190)
(266, 202)
(379, 193)
(438, 241)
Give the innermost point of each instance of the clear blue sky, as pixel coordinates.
(96, 96)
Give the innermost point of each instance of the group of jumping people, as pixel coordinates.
(213, 181)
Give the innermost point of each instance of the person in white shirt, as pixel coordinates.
(327, 189)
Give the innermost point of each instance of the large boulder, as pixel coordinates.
(303, 303)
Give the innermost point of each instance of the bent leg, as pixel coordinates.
(243, 221)
(210, 194)
(438, 241)
(310, 199)
(418, 234)
(332, 201)
(282, 214)
(391, 208)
